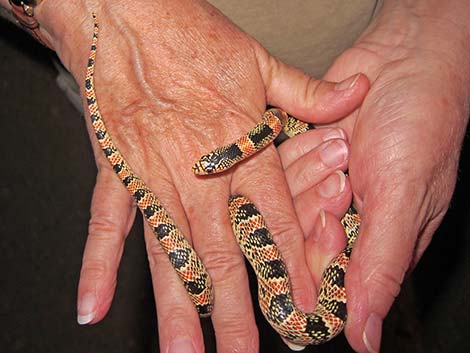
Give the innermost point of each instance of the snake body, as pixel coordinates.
(274, 122)
(274, 293)
(256, 243)
(249, 228)
(184, 259)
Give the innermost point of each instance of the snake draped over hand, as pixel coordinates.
(249, 227)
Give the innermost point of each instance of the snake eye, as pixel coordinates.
(208, 164)
(204, 166)
(209, 167)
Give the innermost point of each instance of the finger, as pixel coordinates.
(261, 180)
(178, 321)
(333, 195)
(314, 166)
(380, 258)
(294, 148)
(316, 179)
(108, 229)
(203, 202)
(325, 242)
(306, 98)
(233, 316)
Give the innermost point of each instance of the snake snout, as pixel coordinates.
(197, 168)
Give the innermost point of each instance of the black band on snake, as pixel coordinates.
(249, 228)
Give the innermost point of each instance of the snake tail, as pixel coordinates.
(274, 289)
(182, 256)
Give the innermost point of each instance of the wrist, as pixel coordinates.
(67, 27)
(56, 25)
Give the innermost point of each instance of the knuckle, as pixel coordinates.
(385, 283)
(304, 177)
(154, 247)
(283, 231)
(175, 314)
(310, 90)
(259, 168)
(240, 338)
(155, 252)
(104, 226)
(222, 265)
(94, 269)
(102, 163)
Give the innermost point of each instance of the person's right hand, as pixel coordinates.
(175, 79)
(405, 146)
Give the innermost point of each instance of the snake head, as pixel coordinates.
(206, 165)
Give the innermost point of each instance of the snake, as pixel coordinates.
(249, 228)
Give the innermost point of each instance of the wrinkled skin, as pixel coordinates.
(206, 82)
(171, 88)
(405, 146)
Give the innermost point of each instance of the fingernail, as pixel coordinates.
(322, 218)
(372, 333)
(333, 185)
(183, 345)
(334, 134)
(293, 346)
(334, 153)
(86, 309)
(319, 226)
(348, 83)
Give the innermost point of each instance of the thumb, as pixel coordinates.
(307, 98)
(381, 256)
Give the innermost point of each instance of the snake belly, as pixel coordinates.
(255, 241)
(183, 258)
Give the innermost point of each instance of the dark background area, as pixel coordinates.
(47, 176)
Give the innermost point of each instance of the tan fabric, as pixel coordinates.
(308, 34)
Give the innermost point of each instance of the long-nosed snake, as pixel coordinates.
(249, 227)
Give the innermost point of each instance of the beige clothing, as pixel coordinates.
(308, 34)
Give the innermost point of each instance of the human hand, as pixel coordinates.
(405, 145)
(171, 88)
(322, 192)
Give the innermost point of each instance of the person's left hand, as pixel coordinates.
(175, 80)
(321, 194)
